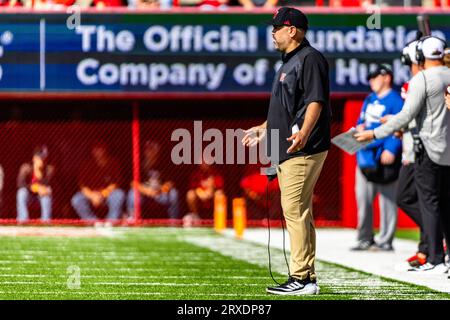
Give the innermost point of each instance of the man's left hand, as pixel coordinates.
(366, 135)
(299, 140)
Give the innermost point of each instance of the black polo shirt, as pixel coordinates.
(301, 80)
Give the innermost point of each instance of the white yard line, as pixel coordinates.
(333, 246)
(76, 232)
(140, 284)
(96, 293)
(82, 276)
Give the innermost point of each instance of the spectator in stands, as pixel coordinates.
(350, 3)
(10, 3)
(45, 4)
(33, 183)
(250, 4)
(210, 4)
(144, 4)
(100, 4)
(436, 3)
(204, 184)
(378, 164)
(156, 194)
(254, 187)
(99, 185)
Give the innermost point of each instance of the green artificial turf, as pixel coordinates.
(409, 234)
(168, 263)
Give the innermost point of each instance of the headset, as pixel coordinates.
(405, 57)
(420, 57)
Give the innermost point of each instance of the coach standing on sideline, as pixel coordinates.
(299, 109)
(425, 103)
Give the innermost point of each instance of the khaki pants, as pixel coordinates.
(297, 178)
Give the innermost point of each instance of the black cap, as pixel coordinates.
(286, 16)
(381, 69)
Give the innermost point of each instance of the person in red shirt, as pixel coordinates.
(99, 183)
(350, 3)
(33, 183)
(107, 3)
(204, 185)
(254, 187)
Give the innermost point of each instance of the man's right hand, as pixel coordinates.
(253, 136)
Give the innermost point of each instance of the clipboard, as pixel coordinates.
(348, 143)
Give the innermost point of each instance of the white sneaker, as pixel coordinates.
(429, 268)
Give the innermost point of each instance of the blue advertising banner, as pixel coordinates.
(190, 52)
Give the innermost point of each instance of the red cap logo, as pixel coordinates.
(276, 13)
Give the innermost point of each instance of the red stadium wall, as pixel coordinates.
(69, 129)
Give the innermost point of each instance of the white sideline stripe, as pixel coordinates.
(141, 284)
(128, 277)
(65, 232)
(333, 245)
(254, 250)
(102, 253)
(131, 293)
(141, 258)
(136, 263)
(131, 269)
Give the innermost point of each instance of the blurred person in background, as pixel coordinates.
(447, 63)
(45, 4)
(100, 4)
(426, 104)
(99, 183)
(251, 4)
(144, 4)
(350, 3)
(156, 194)
(378, 164)
(436, 3)
(407, 198)
(33, 182)
(205, 183)
(254, 187)
(213, 4)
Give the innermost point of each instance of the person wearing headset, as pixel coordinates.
(426, 104)
(407, 198)
(447, 63)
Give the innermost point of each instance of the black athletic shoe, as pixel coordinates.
(384, 247)
(363, 245)
(295, 287)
